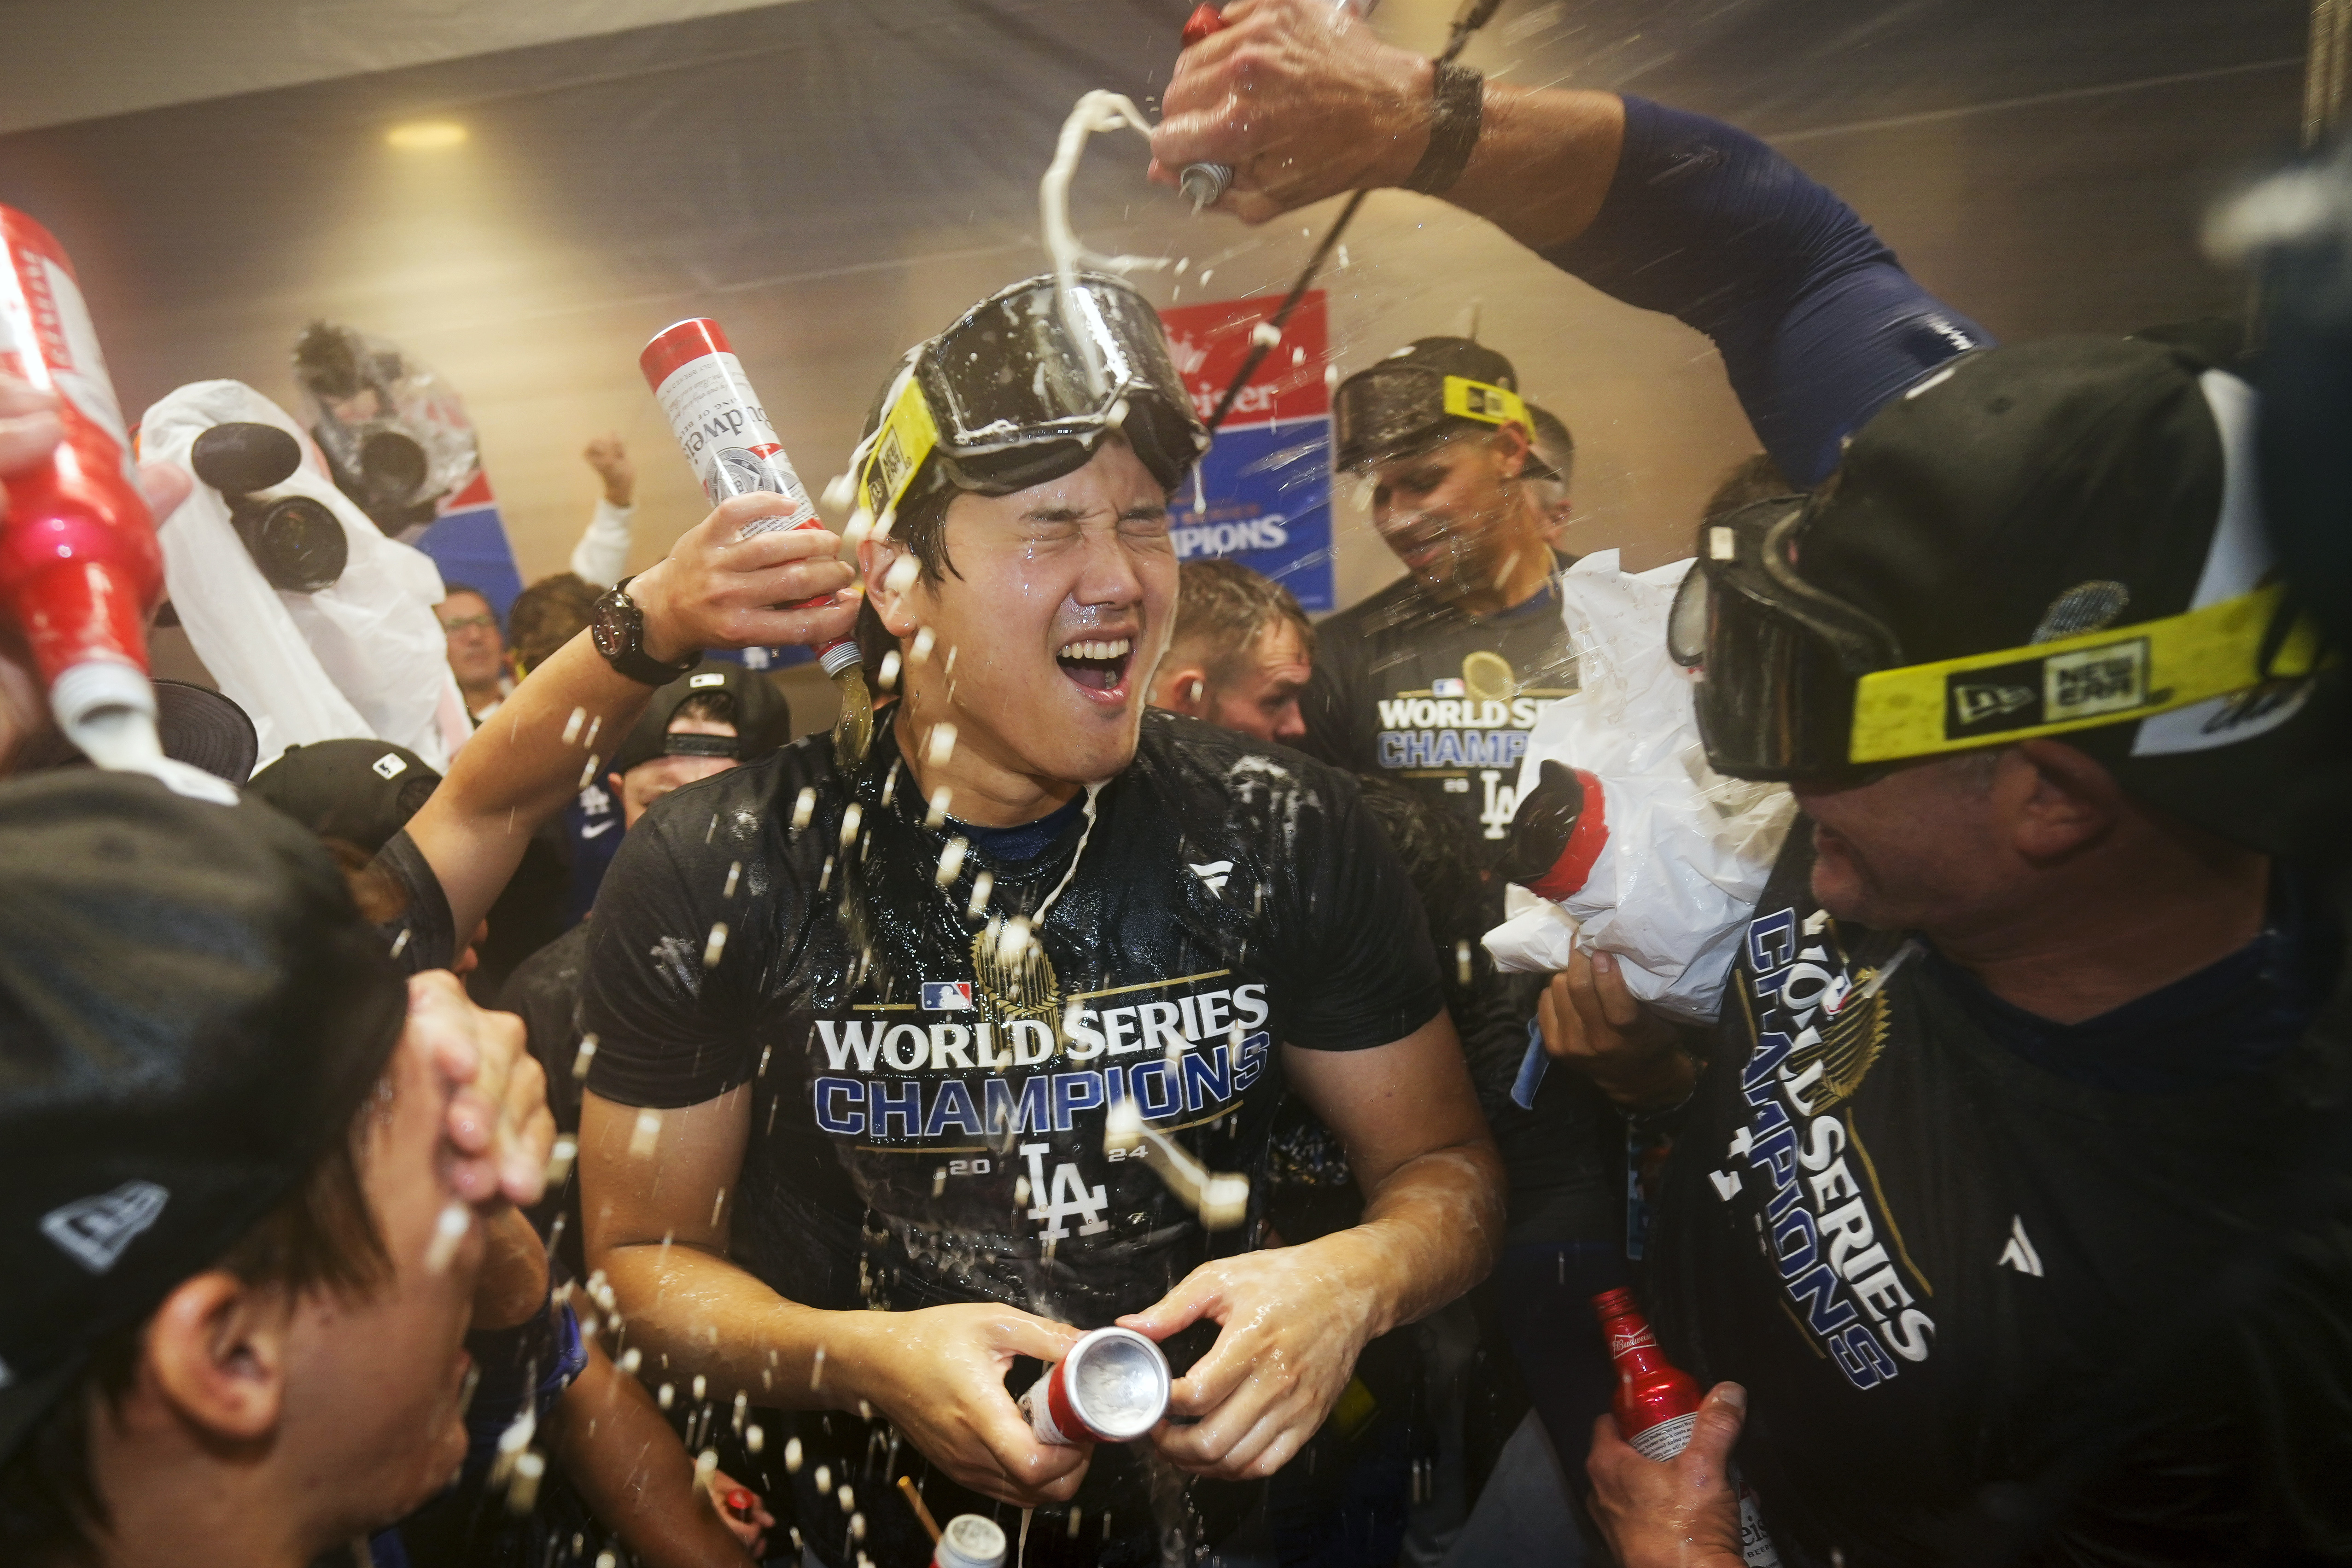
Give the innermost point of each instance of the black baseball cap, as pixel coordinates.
(1430, 389)
(361, 791)
(195, 725)
(2080, 496)
(191, 1010)
(762, 718)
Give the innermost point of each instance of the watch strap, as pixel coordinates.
(630, 659)
(1457, 111)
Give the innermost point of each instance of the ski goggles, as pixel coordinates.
(1796, 684)
(1400, 411)
(1025, 388)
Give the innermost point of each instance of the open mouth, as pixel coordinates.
(1099, 667)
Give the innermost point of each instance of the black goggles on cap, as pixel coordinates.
(1393, 411)
(1777, 658)
(1026, 388)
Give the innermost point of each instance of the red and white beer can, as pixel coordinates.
(1111, 1388)
(725, 434)
(79, 568)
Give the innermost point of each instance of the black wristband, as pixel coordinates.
(1456, 111)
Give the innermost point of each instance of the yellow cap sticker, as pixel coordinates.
(2079, 683)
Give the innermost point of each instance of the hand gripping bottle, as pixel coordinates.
(726, 436)
(1205, 183)
(1657, 1405)
(80, 569)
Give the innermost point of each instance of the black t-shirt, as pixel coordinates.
(544, 992)
(1409, 687)
(928, 1125)
(1963, 1273)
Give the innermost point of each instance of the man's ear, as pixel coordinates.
(1181, 686)
(2055, 799)
(1511, 449)
(613, 785)
(892, 598)
(215, 1353)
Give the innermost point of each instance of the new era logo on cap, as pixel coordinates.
(389, 766)
(94, 1231)
(947, 996)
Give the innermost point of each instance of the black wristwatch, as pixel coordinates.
(619, 628)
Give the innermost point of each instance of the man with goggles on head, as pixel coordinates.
(870, 1023)
(2009, 1206)
(1435, 680)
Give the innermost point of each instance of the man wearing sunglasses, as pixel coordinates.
(861, 1023)
(2010, 1208)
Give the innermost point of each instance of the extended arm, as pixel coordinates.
(1294, 1317)
(939, 1373)
(716, 589)
(617, 1448)
(1817, 322)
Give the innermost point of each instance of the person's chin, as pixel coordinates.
(1838, 883)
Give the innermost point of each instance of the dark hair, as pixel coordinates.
(327, 360)
(921, 526)
(1222, 608)
(712, 707)
(322, 1238)
(548, 614)
(1749, 480)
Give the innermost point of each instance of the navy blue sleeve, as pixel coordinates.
(1818, 323)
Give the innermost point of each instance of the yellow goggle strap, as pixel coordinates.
(1466, 399)
(908, 434)
(2077, 683)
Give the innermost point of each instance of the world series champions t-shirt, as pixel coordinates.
(1981, 1273)
(931, 1084)
(1409, 687)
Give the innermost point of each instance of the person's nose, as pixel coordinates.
(1289, 723)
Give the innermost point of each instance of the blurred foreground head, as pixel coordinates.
(218, 1184)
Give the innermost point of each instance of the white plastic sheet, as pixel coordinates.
(1688, 850)
(365, 656)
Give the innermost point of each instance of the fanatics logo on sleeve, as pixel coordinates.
(95, 1231)
(947, 996)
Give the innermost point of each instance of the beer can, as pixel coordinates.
(970, 1541)
(1111, 1388)
(725, 434)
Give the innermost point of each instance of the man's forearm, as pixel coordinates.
(708, 1317)
(1430, 1231)
(1543, 162)
(617, 1449)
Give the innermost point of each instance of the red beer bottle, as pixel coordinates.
(1658, 1402)
(1657, 1405)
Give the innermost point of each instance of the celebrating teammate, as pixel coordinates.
(859, 1029)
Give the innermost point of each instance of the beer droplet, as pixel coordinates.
(646, 1134)
(791, 1456)
(939, 749)
(449, 1230)
(586, 1054)
(952, 860)
(804, 808)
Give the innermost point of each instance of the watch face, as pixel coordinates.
(615, 625)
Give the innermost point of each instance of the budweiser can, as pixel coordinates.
(1657, 1406)
(970, 1541)
(727, 438)
(1111, 1388)
(79, 568)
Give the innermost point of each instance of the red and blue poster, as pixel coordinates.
(1263, 494)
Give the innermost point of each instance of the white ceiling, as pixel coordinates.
(63, 60)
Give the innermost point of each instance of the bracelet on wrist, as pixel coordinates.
(1456, 114)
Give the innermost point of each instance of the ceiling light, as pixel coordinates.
(426, 136)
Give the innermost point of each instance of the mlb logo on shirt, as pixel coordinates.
(1449, 686)
(947, 996)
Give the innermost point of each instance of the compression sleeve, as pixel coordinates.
(1818, 323)
(603, 553)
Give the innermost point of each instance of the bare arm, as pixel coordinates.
(716, 589)
(658, 1225)
(1293, 1317)
(1302, 109)
(617, 1448)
